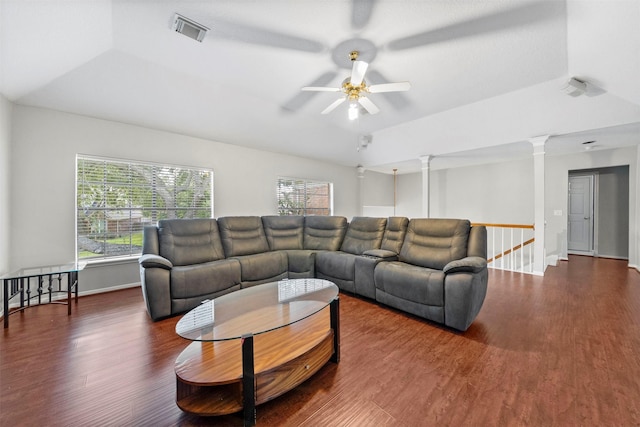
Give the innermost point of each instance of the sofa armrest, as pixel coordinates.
(383, 254)
(156, 289)
(471, 264)
(151, 260)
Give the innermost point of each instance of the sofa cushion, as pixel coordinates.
(339, 265)
(363, 234)
(242, 235)
(433, 243)
(324, 232)
(302, 263)
(189, 241)
(203, 279)
(410, 282)
(266, 265)
(284, 232)
(394, 234)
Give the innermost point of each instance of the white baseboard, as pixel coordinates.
(612, 257)
(110, 289)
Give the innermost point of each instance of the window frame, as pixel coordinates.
(304, 210)
(139, 186)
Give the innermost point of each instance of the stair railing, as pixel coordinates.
(510, 246)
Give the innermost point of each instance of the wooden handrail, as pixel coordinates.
(508, 251)
(527, 226)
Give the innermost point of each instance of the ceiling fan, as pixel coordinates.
(355, 89)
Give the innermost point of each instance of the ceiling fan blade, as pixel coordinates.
(357, 72)
(332, 107)
(261, 36)
(321, 89)
(517, 16)
(398, 100)
(390, 87)
(361, 13)
(368, 105)
(301, 98)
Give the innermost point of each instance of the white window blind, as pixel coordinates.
(115, 199)
(298, 196)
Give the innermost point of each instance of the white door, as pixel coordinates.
(581, 214)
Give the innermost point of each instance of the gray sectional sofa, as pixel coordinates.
(432, 268)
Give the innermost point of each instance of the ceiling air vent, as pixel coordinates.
(189, 28)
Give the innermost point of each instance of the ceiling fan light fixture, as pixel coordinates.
(355, 89)
(353, 110)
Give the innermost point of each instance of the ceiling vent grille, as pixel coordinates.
(189, 28)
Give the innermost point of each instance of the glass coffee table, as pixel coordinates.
(252, 345)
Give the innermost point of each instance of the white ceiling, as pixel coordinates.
(486, 75)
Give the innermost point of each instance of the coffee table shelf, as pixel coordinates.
(209, 374)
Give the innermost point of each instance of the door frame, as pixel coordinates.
(593, 251)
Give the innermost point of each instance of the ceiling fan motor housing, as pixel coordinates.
(353, 92)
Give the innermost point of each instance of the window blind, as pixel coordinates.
(298, 196)
(115, 199)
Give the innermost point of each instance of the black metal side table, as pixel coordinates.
(43, 283)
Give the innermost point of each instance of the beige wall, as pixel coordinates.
(503, 193)
(43, 154)
(5, 143)
(38, 149)
(556, 196)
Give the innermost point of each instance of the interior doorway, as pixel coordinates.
(581, 214)
(598, 212)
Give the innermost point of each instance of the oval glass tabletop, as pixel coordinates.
(257, 309)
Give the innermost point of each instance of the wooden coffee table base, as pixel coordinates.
(210, 374)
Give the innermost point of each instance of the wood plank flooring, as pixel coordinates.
(560, 350)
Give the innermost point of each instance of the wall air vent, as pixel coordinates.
(189, 28)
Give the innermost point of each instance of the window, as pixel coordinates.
(303, 197)
(116, 198)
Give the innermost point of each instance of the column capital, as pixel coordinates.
(538, 143)
(426, 160)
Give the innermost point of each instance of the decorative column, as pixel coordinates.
(395, 190)
(361, 170)
(426, 160)
(539, 253)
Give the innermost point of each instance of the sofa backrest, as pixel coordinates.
(189, 241)
(478, 241)
(394, 234)
(363, 234)
(324, 232)
(433, 243)
(242, 235)
(284, 232)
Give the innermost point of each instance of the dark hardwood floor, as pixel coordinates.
(560, 350)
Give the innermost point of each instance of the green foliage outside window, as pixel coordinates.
(303, 197)
(116, 199)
